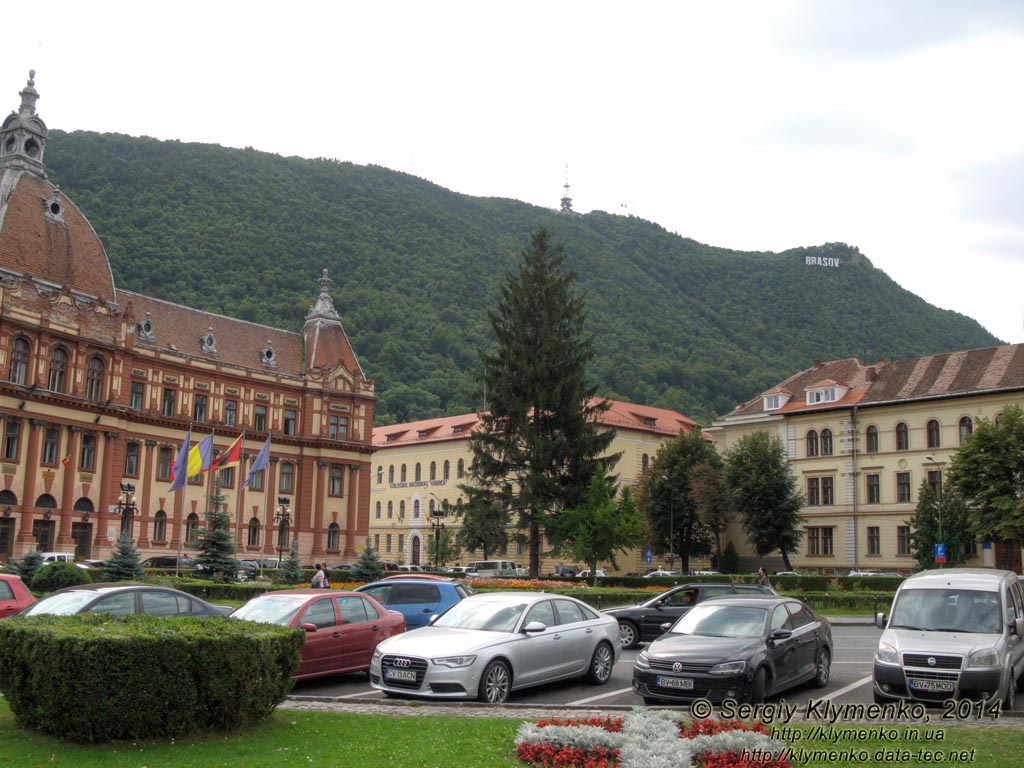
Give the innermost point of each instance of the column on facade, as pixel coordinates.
(67, 494)
(322, 469)
(108, 460)
(351, 513)
(31, 463)
(270, 483)
(143, 495)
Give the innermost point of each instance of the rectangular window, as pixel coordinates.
(874, 540)
(376, 542)
(88, 461)
(51, 442)
(289, 422)
(230, 413)
(819, 541)
(227, 477)
(163, 463)
(257, 481)
(135, 398)
(401, 542)
(336, 480)
(971, 550)
(259, 418)
(827, 492)
(131, 460)
(934, 480)
(813, 492)
(903, 487)
(199, 409)
(168, 405)
(338, 428)
(11, 434)
(387, 543)
(287, 477)
(903, 540)
(874, 489)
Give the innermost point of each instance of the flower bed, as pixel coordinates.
(648, 738)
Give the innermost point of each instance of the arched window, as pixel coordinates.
(902, 437)
(433, 471)
(58, 369)
(418, 477)
(94, 379)
(391, 509)
(447, 470)
(460, 469)
(380, 475)
(391, 473)
(402, 475)
(645, 462)
(334, 536)
(872, 439)
(377, 511)
(932, 430)
(416, 509)
(997, 419)
(401, 509)
(826, 442)
(19, 361)
(252, 539)
(812, 443)
(160, 526)
(458, 508)
(966, 428)
(192, 529)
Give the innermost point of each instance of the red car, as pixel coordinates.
(14, 595)
(342, 628)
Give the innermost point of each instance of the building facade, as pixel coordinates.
(861, 439)
(99, 387)
(417, 469)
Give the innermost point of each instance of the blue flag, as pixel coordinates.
(178, 471)
(261, 462)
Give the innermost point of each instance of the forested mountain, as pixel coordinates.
(677, 323)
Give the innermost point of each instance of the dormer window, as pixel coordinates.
(267, 356)
(772, 401)
(208, 343)
(650, 421)
(422, 433)
(54, 210)
(145, 328)
(825, 392)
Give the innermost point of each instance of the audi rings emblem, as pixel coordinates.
(931, 661)
(403, 663)
(677, 666)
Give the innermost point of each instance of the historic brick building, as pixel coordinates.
(99, 385)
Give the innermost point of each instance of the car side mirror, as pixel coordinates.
(781, 634)
(881, 620)
(535, 627)
(308, 627)
(1018, 627)
(666, 626)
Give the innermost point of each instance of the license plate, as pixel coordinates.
(683, 683)
(404, 675)
(940, 686)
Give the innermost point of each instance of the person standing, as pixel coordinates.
(318, 577)
(762, 577)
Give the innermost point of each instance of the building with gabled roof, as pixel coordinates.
(99, 387)
(861, 440)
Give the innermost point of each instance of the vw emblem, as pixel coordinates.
(677, 666)
(931, 661)
(400, 662)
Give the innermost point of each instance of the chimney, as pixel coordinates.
(870, 373)
(817, 362)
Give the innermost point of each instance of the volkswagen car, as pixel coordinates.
(120, 597)
(488, 645)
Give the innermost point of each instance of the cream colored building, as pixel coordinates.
(418, 467)
(862, 438)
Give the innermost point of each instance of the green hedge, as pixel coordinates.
(90, 678)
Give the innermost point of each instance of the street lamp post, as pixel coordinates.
(671, 526)
(437, 516)
(938, 498)
(283, 518)
(127, 507)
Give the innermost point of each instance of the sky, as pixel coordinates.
(896, 126)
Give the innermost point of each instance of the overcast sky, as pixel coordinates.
(896, 126)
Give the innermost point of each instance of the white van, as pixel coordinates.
(494, 569)
(955, 633)
(58, 557)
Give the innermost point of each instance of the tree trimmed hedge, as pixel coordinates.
(90, 678)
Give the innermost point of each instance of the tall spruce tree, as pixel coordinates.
(216, 546)
(123, 564)
(367, 567)
(539, 442)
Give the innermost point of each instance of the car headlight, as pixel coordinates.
(728, 668)
(455, 662)
(376, 655)
(986, 657)
(642, 662)
(886, 654)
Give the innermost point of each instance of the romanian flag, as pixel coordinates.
(65, 461)
(232, 457)
(200, 457)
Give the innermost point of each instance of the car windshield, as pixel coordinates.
(946, 610)
(63, 604)
(710, 620)
(271, 609)
(487, 615)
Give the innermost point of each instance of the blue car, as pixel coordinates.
(416, 598)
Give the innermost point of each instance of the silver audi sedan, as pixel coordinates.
(491, 644)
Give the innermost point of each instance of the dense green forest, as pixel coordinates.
(677, 323)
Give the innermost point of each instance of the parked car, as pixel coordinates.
(123, 597)
(954, 633)
(463, 570)
(169, 561)
(741, 648)
(491, 644)
(14, 595)
(418, 596)
(586, 574)
(660, 572)
(643, 623)
(342, 628)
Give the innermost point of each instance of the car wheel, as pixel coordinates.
(629, 635)
(822, 668)
(757, 686)
(600, 671)
(495, 683)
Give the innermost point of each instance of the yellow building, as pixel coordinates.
(862, 438)
(418, 467)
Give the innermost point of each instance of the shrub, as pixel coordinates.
(53, 576)
(139, 676)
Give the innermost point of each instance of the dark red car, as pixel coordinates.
(342, 628)
(14, 595)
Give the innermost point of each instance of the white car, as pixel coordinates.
(588, 575)
(488, 645)
(654, 574)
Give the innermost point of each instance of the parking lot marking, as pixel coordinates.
(360, 695)
(602, 696)
(847, 689)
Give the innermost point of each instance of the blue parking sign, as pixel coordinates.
(940, 553)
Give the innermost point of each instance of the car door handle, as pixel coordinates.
(590, 630)
(336, 634)
(428, 610)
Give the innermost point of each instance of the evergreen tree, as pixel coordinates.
(216, 545)
(123, 564)
(291, 570)
(763, 492)
(367, 567)
(956, 533)
(28, 566)
(538, 442)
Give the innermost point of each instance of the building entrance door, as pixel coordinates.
(82, 534)
(6, 538)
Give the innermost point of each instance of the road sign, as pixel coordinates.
(940, 553)
(648, 554)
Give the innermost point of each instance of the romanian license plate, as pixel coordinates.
(939, 686)
(681, 683)
(403, 675)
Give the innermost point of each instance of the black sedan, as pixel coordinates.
(739, 648)
(642, 623)
(123, 597)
